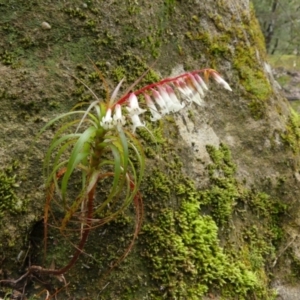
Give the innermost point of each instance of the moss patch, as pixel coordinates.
(291, 136)
(186, 259)
(245, 57)
(183, 247)
(9, 201)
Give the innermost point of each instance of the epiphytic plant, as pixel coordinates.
(99, 146)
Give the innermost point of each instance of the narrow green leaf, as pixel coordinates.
(77, 156)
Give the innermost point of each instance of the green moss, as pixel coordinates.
(186, 259)
(257, 109)
(248, 65)
(8, 58)
(245, 57)
(9, 202)
(251, 76)
(132, 67)
(193, 260)
(182, 245)
(224, 191)
(291, 136)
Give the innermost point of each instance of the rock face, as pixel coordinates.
(221, 188)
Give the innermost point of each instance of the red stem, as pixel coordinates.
(80, 246)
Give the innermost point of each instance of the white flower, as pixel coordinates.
(119, 120)
(196, 85)
(176, 103)
(133, 106)
(188, 93)
(136, 122)
(221, 81)
(184, 90)
(153, 110)
(172, 105)
(160, 101)
(201, 82)
(107, 121)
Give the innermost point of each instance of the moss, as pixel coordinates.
(9, 201)
(133, 67)
(128, 66)
(295, 266)
(8, 58)
(251, 76)
(186, 259)
(247, 62)
(224, 191)
(245, 57)
(193, 260)
(182, 246)
(291, 136)
(257, 109)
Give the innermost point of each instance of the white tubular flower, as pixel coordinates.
(176, 103)
(107, 121)
(119, 119)
(184, 90)
(136, 122)
(133, 106)
(155, 114)
(196, 85)
(160, 101)
(201, 82)
(188, 93)
(221, 81)
(197, 91)
(172, 107)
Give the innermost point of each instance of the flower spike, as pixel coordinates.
(170, 95)
(171, 103)
(196, 85)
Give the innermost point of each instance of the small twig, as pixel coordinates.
(12, 282)
(102, 289)
(285, 248)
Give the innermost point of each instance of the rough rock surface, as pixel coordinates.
(221, 191)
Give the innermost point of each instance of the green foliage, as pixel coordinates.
(87, 156)
(83, 155)
(279, 21)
